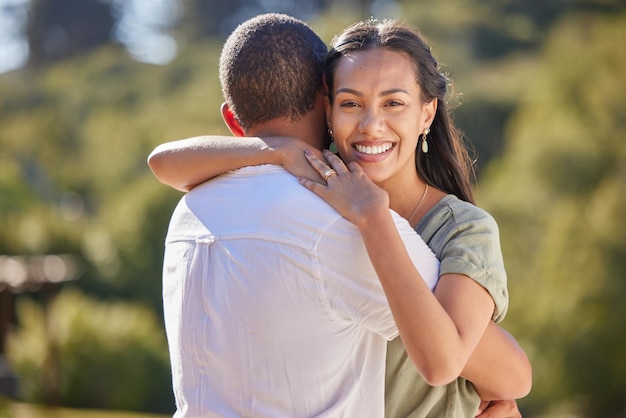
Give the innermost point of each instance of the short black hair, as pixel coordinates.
(271, 67)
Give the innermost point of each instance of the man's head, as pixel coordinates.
(271, 68)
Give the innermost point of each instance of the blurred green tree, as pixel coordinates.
(559, 194)
(82, 353)
(74, 178)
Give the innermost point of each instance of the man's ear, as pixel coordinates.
(328, 110)
(231, 120)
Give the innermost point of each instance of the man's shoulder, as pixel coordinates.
(270, 183)
(249, 173)
(261, 200)
(420, 253)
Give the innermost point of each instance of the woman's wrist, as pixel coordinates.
(276, 150)
(373, 218)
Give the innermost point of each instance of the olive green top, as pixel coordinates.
(466, 240)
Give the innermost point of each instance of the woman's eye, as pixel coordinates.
(393, 103)
(348, 104)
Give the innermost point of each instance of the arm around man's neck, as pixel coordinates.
(186, 163)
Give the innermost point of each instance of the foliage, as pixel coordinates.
(24, 410)
(83, 353)
(543, 93)
(74, 141)
(558, 194)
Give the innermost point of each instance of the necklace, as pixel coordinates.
(419, 203)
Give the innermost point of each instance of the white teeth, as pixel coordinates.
(377, 149)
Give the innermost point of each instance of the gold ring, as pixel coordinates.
(329, 173)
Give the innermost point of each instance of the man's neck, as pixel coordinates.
(300, 129)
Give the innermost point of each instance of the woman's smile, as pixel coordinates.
(374, 149)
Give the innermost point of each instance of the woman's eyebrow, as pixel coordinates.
(349, 91)
(393, 91)
(383, 93)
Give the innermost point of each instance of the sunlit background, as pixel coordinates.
(89, 87)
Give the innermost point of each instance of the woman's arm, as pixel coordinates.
(499, 367)
(439, 333)
(185, 163)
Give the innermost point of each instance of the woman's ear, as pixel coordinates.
(231, 121)
(429, 110)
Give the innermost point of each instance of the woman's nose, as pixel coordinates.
(371, 124)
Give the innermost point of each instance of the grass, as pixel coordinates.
(23, 410)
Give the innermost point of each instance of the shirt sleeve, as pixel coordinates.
(472, 247)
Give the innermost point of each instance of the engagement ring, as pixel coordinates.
(329, 173)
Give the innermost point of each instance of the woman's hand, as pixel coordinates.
(345, 188)
(291, 156)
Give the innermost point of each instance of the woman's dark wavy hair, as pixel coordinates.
(447, 165)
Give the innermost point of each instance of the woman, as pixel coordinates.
(386, 111)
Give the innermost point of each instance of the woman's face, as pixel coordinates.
(378, 113)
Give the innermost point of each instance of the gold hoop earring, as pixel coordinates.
(424, 141)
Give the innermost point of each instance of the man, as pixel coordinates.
(272, 307)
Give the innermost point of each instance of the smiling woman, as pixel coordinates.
(376, 113)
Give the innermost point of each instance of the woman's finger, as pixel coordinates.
(313, 186)
(324, 170)
(317, 163)
(335, 162)
(328, 174)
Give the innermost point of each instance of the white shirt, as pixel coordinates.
(272, 306)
